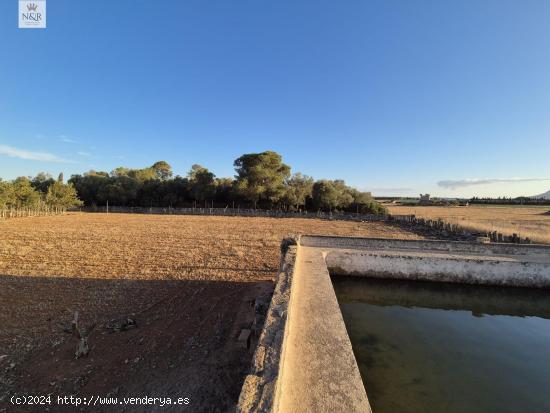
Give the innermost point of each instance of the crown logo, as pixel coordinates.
(32, 7)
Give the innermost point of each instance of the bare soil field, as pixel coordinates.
(186, 282)
(526, 221)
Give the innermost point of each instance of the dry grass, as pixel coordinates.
(523, 220)
(158, 246)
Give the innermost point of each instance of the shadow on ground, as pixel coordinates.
(184, 343)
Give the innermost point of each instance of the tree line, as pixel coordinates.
(261, 180)
(520, 200)
(37, 192)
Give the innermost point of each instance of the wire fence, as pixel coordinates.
(6, 213)
(444, 229)
(437, 227)
(242, 212)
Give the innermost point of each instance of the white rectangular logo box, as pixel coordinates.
(32, 14)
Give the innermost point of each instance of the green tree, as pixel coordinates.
(224, 191)
(364, 203)
(344, 197)
(142, 175)
(298, 190)
(120, 171)
(42, 181)
(324, 195)
(62, 195)
(101, 174)
(25, 194)
(201, 183)
(89, 185)
(139, 175)
(121, 191)
(163, 170)
(7, 194)
(261, 177)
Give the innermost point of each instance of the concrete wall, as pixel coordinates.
(258, 392)
(430, 245)
(441, 269)
(318, 371)
(441, 261)
(304, 361)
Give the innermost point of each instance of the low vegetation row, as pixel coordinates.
(262, 180)
(41, 194)
(521, 200)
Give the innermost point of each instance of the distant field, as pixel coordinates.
(526, 221)
(143, 246)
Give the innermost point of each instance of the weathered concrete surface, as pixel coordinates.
(505, 270)
(258, 392)
(369, 244)
(446, 261)
(318, 369)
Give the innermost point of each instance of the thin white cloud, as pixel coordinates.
(83, 153)
(29, 155)
(66, 139)
(463, 183)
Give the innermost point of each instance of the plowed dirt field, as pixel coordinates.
(186, 281)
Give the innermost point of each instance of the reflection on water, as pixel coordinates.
(429, 347)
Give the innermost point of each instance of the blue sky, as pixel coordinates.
(397, 97)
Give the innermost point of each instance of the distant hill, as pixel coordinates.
(546, 195)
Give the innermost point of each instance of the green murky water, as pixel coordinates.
(430, 347)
